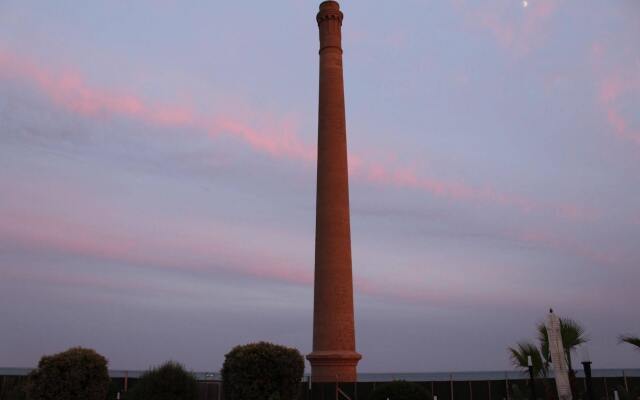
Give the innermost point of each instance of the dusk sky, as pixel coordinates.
(157, 177)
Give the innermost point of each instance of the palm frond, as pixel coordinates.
(634, 340)
(573, 333)
(543, 339)
(520, 357)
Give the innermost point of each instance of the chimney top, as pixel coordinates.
(329, 5)
(329, 10)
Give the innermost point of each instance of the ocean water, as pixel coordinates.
(481, 375)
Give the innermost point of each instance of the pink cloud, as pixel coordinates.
(617, 85)
(408, 178)
(56, 234)
(209, 250)
(202, 254)
(278, 143)
(515, 27)
(46, 234)
(276, 138)
(70, 91)
(89, 281)
(612, 91)
(568, 245)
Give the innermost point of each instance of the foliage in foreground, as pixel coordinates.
(260, 371)
(634, 340)
(400, 390)
(75, 374)
(520, 358)
(572, 333)
(170, 381)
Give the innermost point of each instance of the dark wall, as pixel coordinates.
(206, 390)
(12, 388)
(484, 390)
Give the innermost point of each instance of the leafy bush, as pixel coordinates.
(400, 390)
(260, 371)
(170, 381)
(76, 374)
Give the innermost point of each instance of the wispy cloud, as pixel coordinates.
(516, 25)
(596, 255)
(204, 253)
(71, 91)
(613, 89)
(408, 178)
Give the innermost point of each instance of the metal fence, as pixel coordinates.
(506, 389)
(445, 386)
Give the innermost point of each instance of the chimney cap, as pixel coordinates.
(330, 5)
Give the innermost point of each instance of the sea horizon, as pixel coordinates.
(494, 375)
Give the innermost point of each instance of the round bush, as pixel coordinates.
(76, 374)
(260, 371)
(170, 381)
(400, 390)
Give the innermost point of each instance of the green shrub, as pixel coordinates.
(170, 381)
(76, 374)
(260, 371)
(400, 390)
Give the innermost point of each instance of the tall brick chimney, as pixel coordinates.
(334, 357)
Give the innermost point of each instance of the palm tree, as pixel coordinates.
(520, 358)
(572, 333)
(634, 340)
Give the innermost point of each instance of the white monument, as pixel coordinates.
(558, 357)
